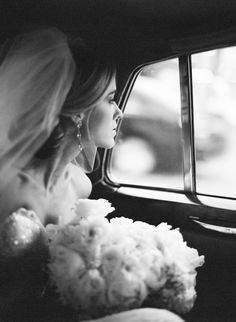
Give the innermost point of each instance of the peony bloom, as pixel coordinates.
(104, 266)
(85, 208)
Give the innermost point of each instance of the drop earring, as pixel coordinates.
(78, 122)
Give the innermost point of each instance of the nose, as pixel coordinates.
(117, 112)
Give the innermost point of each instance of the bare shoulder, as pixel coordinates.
(80, 181)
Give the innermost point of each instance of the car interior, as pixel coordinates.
(174, 158)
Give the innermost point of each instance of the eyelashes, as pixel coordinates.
(112, 101)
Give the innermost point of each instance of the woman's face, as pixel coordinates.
(102, 126)
(103, 119)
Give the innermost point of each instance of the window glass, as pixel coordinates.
(149, 146)
(214, 99)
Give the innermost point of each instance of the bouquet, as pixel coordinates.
(102, 266)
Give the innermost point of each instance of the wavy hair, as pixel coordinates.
(94, 72)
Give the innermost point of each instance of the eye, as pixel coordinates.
(111, 99)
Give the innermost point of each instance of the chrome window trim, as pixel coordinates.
(155, 194)
(178, 197)
(185, 75)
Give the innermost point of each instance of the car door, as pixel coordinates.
(174, 162)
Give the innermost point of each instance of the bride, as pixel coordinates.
(56, 108)
(48, 177)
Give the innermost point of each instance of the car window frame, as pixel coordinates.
(188, 195)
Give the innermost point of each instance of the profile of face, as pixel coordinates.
(102, 125)
(104, 117)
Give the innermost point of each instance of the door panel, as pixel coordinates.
(216, 279)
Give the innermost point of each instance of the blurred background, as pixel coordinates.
(149, 149)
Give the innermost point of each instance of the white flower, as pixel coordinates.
(85, 208)
(70, 260)
(111, 261)
(156, 275)
(177, 248)
(110, 266)
(126, 290)
(91, 289)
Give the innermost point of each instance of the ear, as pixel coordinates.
(77, 119)
(82, 115)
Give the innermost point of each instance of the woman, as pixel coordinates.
(53, 177)
(53, 116)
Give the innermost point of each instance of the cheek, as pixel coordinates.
(101, 122)
(101, 127)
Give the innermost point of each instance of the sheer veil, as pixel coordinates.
(35, 77)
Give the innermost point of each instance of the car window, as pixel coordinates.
(214, 102)
(179, 126)
(149, 148)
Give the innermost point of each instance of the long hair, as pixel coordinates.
(94, 72)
